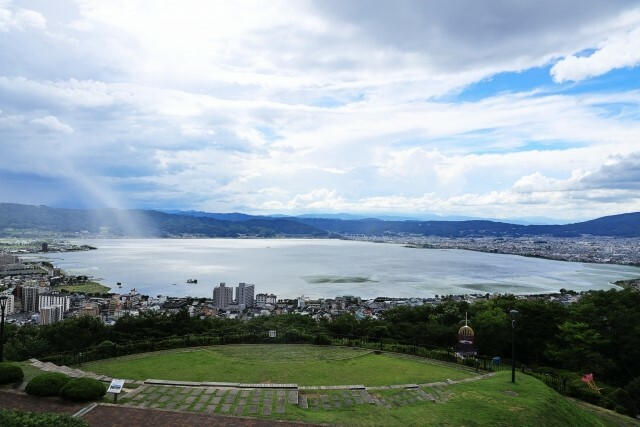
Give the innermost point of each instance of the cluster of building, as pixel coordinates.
(591, 249)
(42, 307)
(32, 298)
(25, 284)
(245, 298)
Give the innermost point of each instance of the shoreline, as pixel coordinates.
(349, 276)
(584, 249)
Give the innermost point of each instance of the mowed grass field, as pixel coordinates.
(304, 365)
(491, 401)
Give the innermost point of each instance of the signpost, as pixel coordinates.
(115, 387)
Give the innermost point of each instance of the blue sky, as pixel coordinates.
(483, 109)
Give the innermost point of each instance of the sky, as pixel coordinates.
(501, 109)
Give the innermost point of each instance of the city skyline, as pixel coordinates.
(492, 110)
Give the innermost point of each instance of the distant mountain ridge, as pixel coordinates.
(142, 223)
(148, 223)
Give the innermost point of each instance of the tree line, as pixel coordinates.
(599, 334)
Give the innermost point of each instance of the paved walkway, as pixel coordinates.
(12, 399)
(107, 415)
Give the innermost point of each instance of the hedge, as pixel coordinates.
(47, 384)
(14, 418)
(83, 389)
(10, 373)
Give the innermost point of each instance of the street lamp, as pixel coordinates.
(3, 305)
(514, 314)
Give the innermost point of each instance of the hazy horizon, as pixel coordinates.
(396, 216)
(499, 110)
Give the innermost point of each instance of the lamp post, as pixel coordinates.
(3, 305)
(513, 314)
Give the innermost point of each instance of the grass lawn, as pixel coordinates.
(493, 401)
(29, 370)
(300, 364)
(86, 287)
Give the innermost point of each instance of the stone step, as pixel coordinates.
(220, 384)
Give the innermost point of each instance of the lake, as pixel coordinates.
(290, 268)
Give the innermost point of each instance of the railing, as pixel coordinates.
(558, 383)
(296, 336)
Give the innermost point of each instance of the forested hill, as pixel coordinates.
(624, 225)
(15, 218)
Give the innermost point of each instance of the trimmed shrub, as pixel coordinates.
(577, 388)
(47, 384)
(10, 373)
(83, 389)
(14, 418)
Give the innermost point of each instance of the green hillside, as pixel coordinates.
(451, 396)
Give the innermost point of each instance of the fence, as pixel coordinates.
(558, 383)
(108, 350)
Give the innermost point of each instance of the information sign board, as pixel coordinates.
(115, 386)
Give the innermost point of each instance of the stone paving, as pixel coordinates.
(263, 400)
(218, 400)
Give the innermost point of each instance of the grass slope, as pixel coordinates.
(300, 364)
(492, 401)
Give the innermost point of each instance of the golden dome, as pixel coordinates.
(466, 331)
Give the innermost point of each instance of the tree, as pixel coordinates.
(24, 343)
(579, 348)
(492, 330)
(74, 333)
(345, 324)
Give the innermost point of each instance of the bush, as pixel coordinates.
(578, 389)
(83, 389)
(321, 340)
(620, 401)
(14, 418)
(633, 388)
(47, 384)
(10, 373)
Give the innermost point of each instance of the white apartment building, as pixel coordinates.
(54, 299)
(222, 296)
(11, 306)
(263, 299)
(244, 295)
(51, 314)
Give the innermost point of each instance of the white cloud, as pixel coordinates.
(20, 19)
(617, 52)
(287, 105)
(51, 124)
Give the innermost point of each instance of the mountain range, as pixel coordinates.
(17, 219)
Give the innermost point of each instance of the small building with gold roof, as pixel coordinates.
(466, 338)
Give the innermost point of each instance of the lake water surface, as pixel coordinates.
(325, 268)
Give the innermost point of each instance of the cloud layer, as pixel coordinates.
(303, 106)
